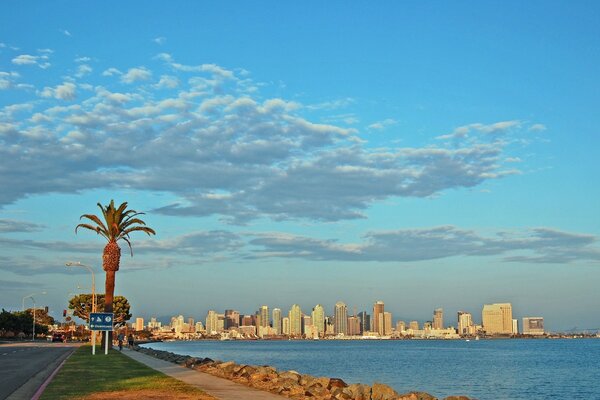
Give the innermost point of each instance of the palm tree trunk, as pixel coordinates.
(109, 287)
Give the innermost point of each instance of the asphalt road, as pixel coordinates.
(25, 366)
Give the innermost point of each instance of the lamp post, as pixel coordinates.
(23, 305)
(79, 264)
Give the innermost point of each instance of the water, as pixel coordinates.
(484, 369)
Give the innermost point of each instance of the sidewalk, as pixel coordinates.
(218, 387)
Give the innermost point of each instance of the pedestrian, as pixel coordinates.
(121, 337)
(130, 341)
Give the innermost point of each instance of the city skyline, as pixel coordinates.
(426, 155)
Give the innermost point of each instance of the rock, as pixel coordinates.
(336, 383)
(418, 396)
(407, 396)
(292, 375)
(359, 391)
(190, 362)
(379, 391)
(457, 398)
(316, 391)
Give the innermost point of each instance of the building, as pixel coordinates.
(295, 316)
(533, 326)
(497, 319)
(232, 319)
(438, 318)
(263, 316)
(212, 322)
(413, 325)
(285, 325)
(400, 326)
(365, 322)
(515, 326)
(465, 324)
(378, 321)
(354, 326)
(387, 323)
(340, 318)
(139, 324)
(277, 321)
(318, 319)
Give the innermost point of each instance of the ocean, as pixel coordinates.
(485, 369)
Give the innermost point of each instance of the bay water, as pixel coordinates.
(484, 369)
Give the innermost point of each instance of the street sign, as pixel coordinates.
(101, 321)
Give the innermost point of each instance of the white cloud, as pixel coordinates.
(380, 125)
(167, 82)
(83, 59)
(160, 40)
(66, 91)
(537, 127)
(136, 75)
(25, 59)
(65, 32)
(111, 71)
(83, 70)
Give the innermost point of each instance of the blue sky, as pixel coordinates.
(424, 154)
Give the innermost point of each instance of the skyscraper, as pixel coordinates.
(139, 324)
(263, 313)
(212, 322)
(533, 326)
(438, 318)
(365, 322)
(340, 315)
(353, 326)
(378, 321)
(295, 316)
(285, 325)
(318, 319)
(465, 323)
(232, 319)
(387, 323)
(277, 321)
(497, 318)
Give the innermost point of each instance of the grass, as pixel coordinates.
(83, 375)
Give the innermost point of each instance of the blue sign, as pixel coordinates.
(101, 321)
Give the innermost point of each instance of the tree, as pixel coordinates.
(81, 305)
(116, 224)
(13, 323)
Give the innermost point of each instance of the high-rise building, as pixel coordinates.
(232, 319)
(387, 323)
(263, 316)
(515, 326)
(248, 320)
(285, 325)
(533, 326)
(295, 316)
(438, 318)
(365, 322)
(497, 319)
(139, 324)
(212, 322)
(277, 321)
(414, 325)
(318, 319)
(378, 321)
(340, 318)
(465, 324)
(353, 326)
(400, 326)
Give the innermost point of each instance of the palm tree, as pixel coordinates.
(116, 224)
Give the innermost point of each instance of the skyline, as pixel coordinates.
(420, 154)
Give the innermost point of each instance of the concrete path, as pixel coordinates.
(218, 387)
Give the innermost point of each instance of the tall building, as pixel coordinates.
(465, 324)
(139, 324)
(400, 326)
(277, 321)
(414, 325)
(318, 319)
(353, 326)
(438, 318)
(378, 321)
(387, 323)
(533, 326)
(212, 322)
(285, 325)
(295, 316)
(232, 319)
(340, 318)
(497, 319)
(263, 316)
(365, 322)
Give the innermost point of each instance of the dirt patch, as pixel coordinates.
(150, 394)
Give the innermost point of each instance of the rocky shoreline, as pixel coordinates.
(290, 383)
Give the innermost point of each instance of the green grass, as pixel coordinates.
(84, 374)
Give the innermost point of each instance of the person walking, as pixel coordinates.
(120, 338)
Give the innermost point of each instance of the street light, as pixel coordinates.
(78, 264)
(33, 300)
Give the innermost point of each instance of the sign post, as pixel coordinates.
(101, 322)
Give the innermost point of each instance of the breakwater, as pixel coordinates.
(290, 384)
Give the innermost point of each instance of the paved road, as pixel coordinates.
(25, 366)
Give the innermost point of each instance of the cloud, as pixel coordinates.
(380, 125)
(136, 74)
(160, 40)
(537, 245)
(83, 70)
(10, 225)
(223, 149)
(83, 59)
(537, 127)
(66, 91)
(65, 32)
(464, 131)
(25, 59)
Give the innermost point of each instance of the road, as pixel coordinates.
(25, 366)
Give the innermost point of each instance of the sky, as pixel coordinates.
(426, 154)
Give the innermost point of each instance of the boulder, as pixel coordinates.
(457, 398)
(419, 396)
(336, 383)
(358, 391)
(379, 391)
(291, 375)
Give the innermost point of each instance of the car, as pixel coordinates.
(58, 337)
